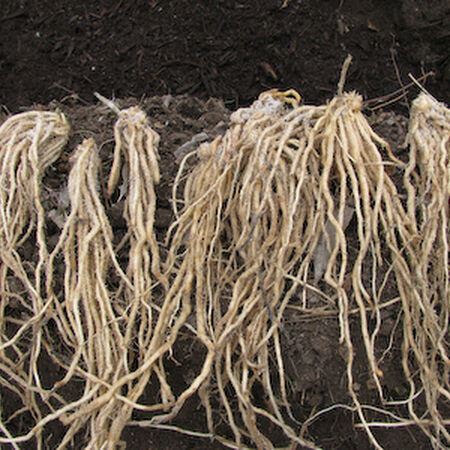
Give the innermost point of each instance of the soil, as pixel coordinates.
(187, 64)
(227, 49)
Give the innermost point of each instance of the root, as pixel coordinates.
(257, 208)
(129, 324)
(29, 143)
(89, 323)
(137, 143)
(264, 215)
(426, 307)
(261, 225)
(234, 225)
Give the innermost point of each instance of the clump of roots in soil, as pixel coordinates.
(262, 226)
(110, 328)
(89, 322)
(96, 321)
(292, 208)
(230, 248)
(29, 144)
(425, 282)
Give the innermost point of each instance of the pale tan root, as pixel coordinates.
(254, 211)
(136, 145)
(29, 143)
(250, 217)
(261, 226)
(426, 308)
(89, 323)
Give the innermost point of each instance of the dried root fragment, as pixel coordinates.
(29, 143)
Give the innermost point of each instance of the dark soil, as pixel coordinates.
(59, 52)
(228, 49)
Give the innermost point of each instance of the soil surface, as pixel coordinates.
(202, 59)
(228, 49)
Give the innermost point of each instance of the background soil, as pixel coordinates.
(59, 52)
(228, 49)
